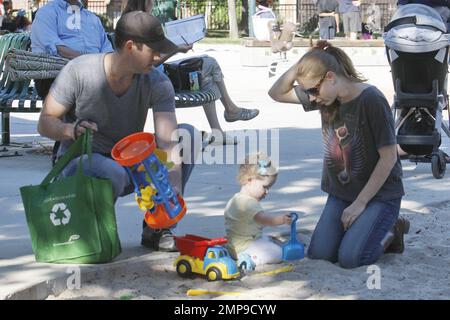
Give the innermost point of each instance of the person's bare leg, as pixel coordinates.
(228, 104)
(217, 135)
(211, 115)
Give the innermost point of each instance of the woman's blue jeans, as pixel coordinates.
(361, 244)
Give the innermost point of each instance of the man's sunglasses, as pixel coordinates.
(314, 91)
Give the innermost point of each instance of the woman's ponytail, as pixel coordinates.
(345, 64)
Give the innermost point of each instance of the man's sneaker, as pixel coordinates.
(400, 229)
(161, 239)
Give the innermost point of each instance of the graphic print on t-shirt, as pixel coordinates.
(344, 152)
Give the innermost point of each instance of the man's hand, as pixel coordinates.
(352, 213)
(79, 128)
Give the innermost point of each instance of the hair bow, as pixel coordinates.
(262, 167)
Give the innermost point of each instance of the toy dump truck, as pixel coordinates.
(206, 257)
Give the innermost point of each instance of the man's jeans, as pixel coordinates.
(105, 167)
(361, 244)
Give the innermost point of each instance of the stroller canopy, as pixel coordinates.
(416, 28)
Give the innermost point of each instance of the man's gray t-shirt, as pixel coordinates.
(82, 87)
(351, 143)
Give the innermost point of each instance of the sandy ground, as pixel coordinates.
(422, 272)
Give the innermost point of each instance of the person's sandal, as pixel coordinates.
(242, 115)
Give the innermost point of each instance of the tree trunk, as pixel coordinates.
(243, 26)
(208, 14)
(233, 19)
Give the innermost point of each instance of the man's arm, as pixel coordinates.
(283, 89)
(326, 14)
(67, 53)
(51, 126)
(336, 17)
(166, 126)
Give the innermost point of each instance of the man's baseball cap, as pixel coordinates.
(142, 27)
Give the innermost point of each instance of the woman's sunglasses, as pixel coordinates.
(314, 91)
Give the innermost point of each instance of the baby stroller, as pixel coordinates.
(417, 48)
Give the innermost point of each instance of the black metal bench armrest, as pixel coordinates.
(186, 99)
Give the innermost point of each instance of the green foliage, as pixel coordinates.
(218, 14)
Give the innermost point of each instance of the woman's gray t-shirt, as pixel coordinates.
(82, 87)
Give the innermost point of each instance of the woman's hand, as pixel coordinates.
(351, 213)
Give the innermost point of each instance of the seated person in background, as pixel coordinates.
(212, 78)
(281, 36)
(22, 22)
(58, 30)
(13, 20)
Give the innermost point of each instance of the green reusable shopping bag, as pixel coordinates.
(72, 219)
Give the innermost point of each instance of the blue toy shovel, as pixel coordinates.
(293, 249)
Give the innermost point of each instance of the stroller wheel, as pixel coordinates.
(438, 165)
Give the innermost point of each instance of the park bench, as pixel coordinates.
(21, 96)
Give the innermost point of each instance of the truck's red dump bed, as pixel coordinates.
(196, 246)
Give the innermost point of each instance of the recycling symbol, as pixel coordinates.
(61, 208)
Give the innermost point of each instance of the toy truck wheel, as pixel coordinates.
(214, 274)
(184, 269)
